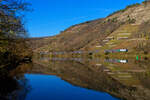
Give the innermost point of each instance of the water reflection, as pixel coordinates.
(116, 60)
(53, 88)
(12, 87)
(125, 79)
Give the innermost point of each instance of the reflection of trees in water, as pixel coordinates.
(7, 86)
(144, 63)
(86, 74)
(14, 86)
(22, 91)
(144, 79)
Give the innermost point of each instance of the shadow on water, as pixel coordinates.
(127, 79)
(13, 86)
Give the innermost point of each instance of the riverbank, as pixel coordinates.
(130, 55)
(13, 62)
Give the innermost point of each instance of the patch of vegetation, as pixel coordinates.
(125, 9)
(12, 31)
(131, 20)
(113, 20)
(146, 1)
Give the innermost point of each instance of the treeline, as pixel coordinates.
(13, 47)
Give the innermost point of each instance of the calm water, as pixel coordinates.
(77, 79)
(50, 87)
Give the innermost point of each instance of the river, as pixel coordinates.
(77, 79)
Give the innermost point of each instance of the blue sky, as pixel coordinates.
(52, 16)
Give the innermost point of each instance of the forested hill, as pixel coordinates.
(119, 30)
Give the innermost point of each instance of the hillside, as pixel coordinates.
(127, 28)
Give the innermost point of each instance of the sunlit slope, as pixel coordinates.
(123, 37)
(122, 29)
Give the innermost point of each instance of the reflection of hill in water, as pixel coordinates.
(128, 81)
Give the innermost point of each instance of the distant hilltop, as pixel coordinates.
(124, 29)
